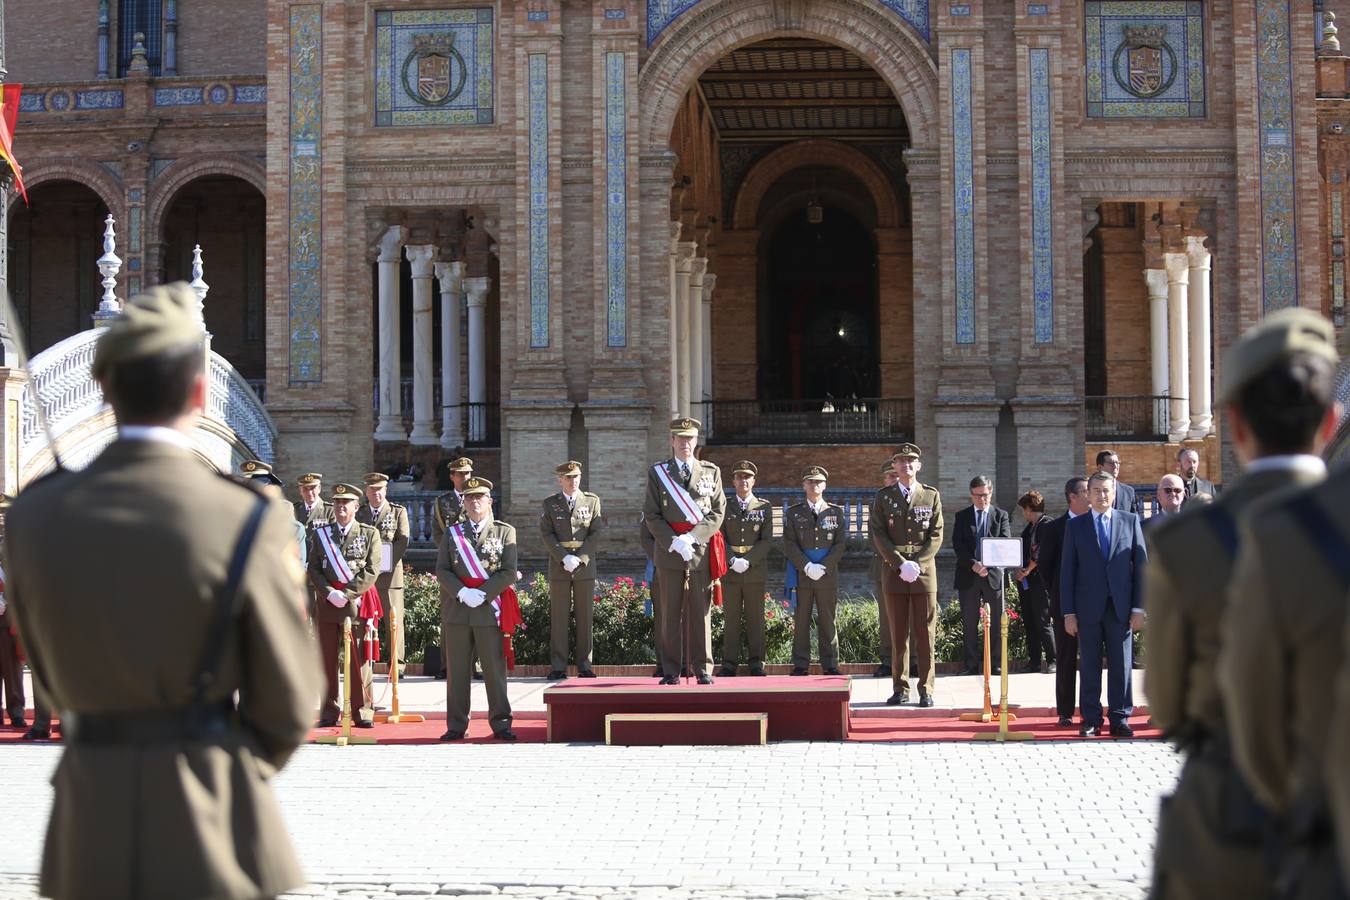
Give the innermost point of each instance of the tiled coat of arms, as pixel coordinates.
(434, 67)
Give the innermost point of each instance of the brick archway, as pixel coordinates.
(86, 174)
(184, 172)
(709, 31)
(815, 152)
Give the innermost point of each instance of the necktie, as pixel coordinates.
(684, 473)
(1103, 536)
(979, 523)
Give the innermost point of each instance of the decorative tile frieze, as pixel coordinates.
(539, 205)
(1144, 58)
(250, 93)
(1275, 124)
(915, 13)
(32, 101)
(1042, 205)
(963, 195)
(434, 67)
(99, 99)
(179, 96)
(616, 199)
(305, 193)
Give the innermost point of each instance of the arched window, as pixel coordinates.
(145, 17)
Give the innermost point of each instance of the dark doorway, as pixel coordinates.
(818, 309)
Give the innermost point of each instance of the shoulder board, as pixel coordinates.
(592, 496)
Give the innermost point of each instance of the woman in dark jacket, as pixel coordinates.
(1034, 590)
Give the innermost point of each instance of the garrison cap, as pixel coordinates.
(463, 464)
(907, 449)
(256, 468)
(376, 478)
(571, 467)
(684, 426)
(745, 466)
(477, 486)
(163, 318)
(345, 492)
(1278, 337)
(309, 478)
(815, 473)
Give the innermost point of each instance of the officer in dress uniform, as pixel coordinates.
(261, 474)
(468, 620)
(391, 521)
(163, 788)
(311, 509)
(813, 541)
(449, 507)
(337, 599)
(748, 529)
(877, 570)
(570, 525)
(905, 523)
(679, 490)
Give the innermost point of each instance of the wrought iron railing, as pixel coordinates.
(482, 424)
(1141, 418)
(853, 420)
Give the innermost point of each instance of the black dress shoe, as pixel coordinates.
(1123, 730)
(799, 671)
(1065, 722)
(998, 670)
(705, 679)
(556, 675)
(926, 700)
(1051, 669)
(506, 734)
(1086, 730)
(453, 736)
(670, 679)
(882, 671)
(327, 723)
(18, 722)
(440, 676)
(727, 672)
(757, 671)
(37, 734)
(477, 676)
(363, 723)
(897, 698)
(970, 671)
(832, 670)
(585, 673)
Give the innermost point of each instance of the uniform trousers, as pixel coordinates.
(971, 598)
(359, 676)
(1036, 615)
(884, 618)
(742, 598)
(11, 673)
(913, 615)
(686, 615)
(823, 596)
(565, 596)
(1066, 669)
(462, 641)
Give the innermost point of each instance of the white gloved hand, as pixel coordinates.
(814, 571)
(570, 562)
(910, 571)
(337, 598)
(683, 544)
(3, 606)
(471, 597)
(739, 564)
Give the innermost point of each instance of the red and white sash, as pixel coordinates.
(341, 568)
(369, 608)
(506, 601)
(688, 508)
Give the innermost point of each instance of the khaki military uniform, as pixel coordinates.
(909, 529)
(122, 644)
(804, 529)
(1280, 639)
(447, 512)
(684, 610)
(361, 548)
(749, 534)
(571, 530)
(321, 513)
(876, 572)
(466, 630)
(392, 524)
(1204, 848)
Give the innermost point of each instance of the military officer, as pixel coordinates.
(163, 789)
(261, 474)
(11, 664)
(1191, 559)
(344, 563)
(905, 523)
(877, 571)
(311, 508)
(476, 565)
(684, 509)
(449, 508)
(648, 542)
(814, 534)
(391, 521)
(570, 525)
(748, 530)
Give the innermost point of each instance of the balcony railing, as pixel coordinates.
(1125, 418)
(855, 420)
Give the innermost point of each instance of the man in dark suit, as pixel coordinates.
(976, 584)
(1108, 461)
(1101, 593)
(1188, 467)
(1052, 553)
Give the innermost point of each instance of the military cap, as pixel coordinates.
(477, 486)
(888, 467)
(1278, 337)
(374, 478)
(309, 478)
(907, 449)
(745, 466)
(815, 473)
(345, 492)
(463, 464)
(571, 467)
(684, 426)
(5, 501)
(163, 318)
(256, 468)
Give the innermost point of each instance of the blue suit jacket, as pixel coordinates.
(1088, 582)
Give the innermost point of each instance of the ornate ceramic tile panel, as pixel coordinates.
(305, 212)
(1042, 223)
(1145, 58)
(434, 67)
(963, 205)
(539, 236)
(616, 199)
(660, 13)
(1275, 124)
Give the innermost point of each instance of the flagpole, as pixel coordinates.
(9, 351)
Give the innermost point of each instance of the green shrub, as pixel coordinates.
(421, 614)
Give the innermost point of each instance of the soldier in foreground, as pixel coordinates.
(813, 542)
(162, 791)
(748, 530)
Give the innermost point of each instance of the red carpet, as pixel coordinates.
(530, 731)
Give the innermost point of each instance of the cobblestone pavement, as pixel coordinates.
(799, 820)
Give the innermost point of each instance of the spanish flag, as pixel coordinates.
(9, 117)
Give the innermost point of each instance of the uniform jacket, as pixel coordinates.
(1088, 581)
(495, 545)
(751, 528)
(123, 632)
(361, 548)
(1126, 499)
(803, 529)
(319, 514)
(967, 546)
(582, 523)
(660, 509)
(1049, 559)
(392, 524)
(447, 511)
(907, 529)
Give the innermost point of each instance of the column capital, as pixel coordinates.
(684, 256)
(709, 282)
(1156, 279)
(422, 256)
(1178, 268)
(1196, 251)
(675, 228)
(477, 289)
(697, 270)
(450, 275)
(391, 242)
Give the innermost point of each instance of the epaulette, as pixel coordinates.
(592, 496)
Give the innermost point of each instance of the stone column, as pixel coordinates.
(1202, 363)
(1178, 277)
(451, 278)
(705, 328)
(422, 257)
(12, 384)
(1156, 279)
(477, 289)
(389, 426)
(674, 320)
(684, 266)
(696, 336)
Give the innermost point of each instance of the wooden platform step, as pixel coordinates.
(686, 729)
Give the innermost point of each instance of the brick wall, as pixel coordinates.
(51, 40)
(222, 37)
(1128, 352)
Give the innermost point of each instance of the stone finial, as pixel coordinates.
(109, 264)
(1330, 42)
(139, 64)
(198, 285)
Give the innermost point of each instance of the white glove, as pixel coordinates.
(910, 571)
(337, 598)
(471, 597)
(814, 571)
(683, 544)
(3, 606)
(570, 563)
(739, 564)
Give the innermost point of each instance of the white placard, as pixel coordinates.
(386, 557)
(1001, 553)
